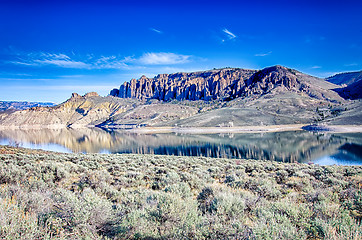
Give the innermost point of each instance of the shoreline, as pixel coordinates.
(207, 130)
(249, 129)
(210, 130)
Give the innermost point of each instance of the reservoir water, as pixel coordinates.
(294, 146)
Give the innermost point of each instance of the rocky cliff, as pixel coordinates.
(225, 84)
(206, 85)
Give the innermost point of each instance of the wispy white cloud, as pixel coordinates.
(80, 88)
(90, 61)
(111, 62)
(229, 34)
(64, 61)
(163, 58)
(50, 59)
(15, 74)
(20, 62)
(73, 76)
(60, 60)
(316, 67)
(263, 54)
(26, 79)
(156, 30)
(351, 65)
(59, 56)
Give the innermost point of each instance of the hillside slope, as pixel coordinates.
(78, 111)
(93, 110)
(353, 91)
(350, 84)
(347, 78)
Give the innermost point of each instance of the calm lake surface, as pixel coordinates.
(294, 146)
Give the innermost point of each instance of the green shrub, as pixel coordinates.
(101, 196)
(162, 215)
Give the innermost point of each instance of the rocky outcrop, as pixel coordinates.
(76, 96)
(91, 94)
(269, 78)
(224, 84)
(206, 85)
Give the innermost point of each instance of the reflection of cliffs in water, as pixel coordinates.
(79, 140)
(283, 146)
(297, 146)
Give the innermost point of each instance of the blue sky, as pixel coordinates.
(49, 49)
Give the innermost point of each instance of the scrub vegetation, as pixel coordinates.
(46, 195)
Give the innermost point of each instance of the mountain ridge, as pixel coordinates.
(346, 78)
(220, 97)
(224, 84)
(350, 84)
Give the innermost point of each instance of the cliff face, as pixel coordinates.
(269, 78)
(205, 85)
(226, 84)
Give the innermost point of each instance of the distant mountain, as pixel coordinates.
(13, 105)
(350, 84)
(347, 78)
